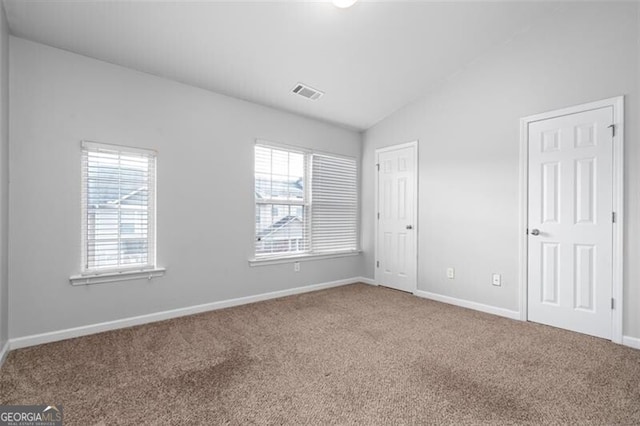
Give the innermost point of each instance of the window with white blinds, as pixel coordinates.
(334, 210)
(306, 203)
(118, 208)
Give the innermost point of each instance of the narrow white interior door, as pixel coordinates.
(570, 228)
(397, 199)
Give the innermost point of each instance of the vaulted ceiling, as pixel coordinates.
(370, 59)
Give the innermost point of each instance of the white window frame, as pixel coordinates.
(150, 270)
(305, 204)
(308, 206)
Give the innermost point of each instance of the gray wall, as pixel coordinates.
(469, 145)
(4, 176)
(205, 188)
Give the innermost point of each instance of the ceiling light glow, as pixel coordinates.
(343, 4)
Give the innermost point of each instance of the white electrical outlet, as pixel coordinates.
(451, 273)
(296, 266)
(496, 279)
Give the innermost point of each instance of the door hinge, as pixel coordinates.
(613, 217)
(377, 263)
(378, 216)
(613, 303)
(378, 166)
(613, 130)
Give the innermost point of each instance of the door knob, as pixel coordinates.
(409, 227)
(535, 232)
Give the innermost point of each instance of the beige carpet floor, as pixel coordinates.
(350, 355)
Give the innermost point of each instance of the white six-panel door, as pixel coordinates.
(570, 228)
(396, 231)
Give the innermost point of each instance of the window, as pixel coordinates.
(306, 203)
(118, 208)
(334, 213)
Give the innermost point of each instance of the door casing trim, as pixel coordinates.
(617, 289)
(414, 144)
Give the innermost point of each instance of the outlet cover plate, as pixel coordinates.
(496, 280)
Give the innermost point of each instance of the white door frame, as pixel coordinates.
(414, 145)
(617, 292)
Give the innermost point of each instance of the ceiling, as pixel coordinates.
(370, 59)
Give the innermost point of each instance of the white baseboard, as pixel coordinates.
(365, 280)
(632, 342)
(54, 336)
(470, 305)
(4, 352)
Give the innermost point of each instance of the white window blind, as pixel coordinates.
(118, 208)
(334, 201)
(306, 203)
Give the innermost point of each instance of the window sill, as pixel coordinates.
(300, 258)
(116, 276)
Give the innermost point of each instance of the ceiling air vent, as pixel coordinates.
(307, 92)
